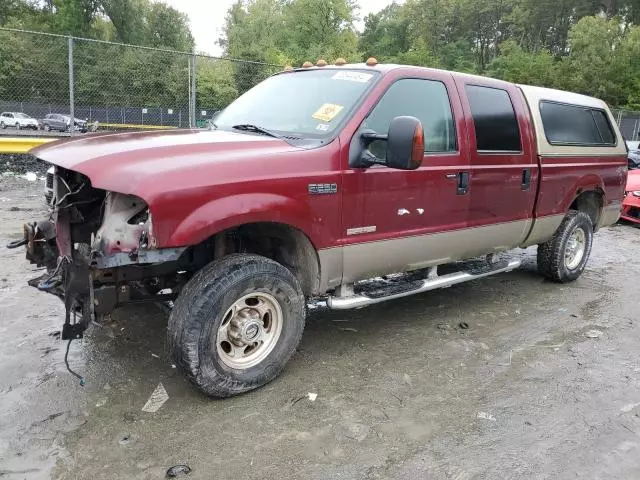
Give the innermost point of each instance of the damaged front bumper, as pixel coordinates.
(95, 248)
(93, 285)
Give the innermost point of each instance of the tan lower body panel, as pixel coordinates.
(543, 229)
(610, 214)
(330, 268)
(371, 259)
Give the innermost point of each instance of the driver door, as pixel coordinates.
(391, 217)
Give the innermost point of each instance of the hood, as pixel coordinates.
(144, 162)
(633, 181)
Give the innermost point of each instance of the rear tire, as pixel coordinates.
(47, 128)
(2, 125)
(236, 324)
(564, 257)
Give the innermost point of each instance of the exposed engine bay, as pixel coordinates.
(99, 252)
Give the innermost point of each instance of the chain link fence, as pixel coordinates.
(119, 86)
(629, 123)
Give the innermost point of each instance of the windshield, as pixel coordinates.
(307, 103)
(22, 115)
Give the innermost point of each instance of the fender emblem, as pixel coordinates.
(322, 188)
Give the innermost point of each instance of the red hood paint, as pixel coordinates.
(148, 163)
(197, 183)
(633, 181)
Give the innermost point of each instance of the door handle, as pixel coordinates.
(526, 179)
(463, 183)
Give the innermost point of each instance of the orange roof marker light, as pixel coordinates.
(321, 63)
(307, 65)
(340, 62)
(288, 68)
(372, 62)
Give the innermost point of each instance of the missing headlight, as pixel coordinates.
(140, 218)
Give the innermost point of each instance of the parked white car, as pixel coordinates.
(17, 120)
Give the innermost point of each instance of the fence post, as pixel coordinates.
(71, 93)
(192, 100)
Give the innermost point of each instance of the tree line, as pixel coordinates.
(587, 46)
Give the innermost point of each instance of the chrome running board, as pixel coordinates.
(430, 283)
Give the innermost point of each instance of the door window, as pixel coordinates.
(494, 119)
(426, 100)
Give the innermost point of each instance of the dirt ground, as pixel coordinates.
(402, 390)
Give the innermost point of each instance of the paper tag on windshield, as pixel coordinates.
(359, 77)
(327, 112)
(323, 127)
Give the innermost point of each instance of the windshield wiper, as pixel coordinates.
(248, 127)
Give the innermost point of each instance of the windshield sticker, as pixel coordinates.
(359, 77)
(327, 112)
(323, 127)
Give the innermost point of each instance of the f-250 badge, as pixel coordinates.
(323, 188)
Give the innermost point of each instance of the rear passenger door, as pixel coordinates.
(503, 170)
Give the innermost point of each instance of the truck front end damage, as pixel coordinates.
(99, 253)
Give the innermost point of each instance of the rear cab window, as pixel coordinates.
(575, 125)
(495, 120)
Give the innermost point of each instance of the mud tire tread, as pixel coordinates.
(198, 312)
(551, 253)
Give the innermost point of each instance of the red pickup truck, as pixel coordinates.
(350, 182)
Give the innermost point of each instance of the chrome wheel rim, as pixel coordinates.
(249, 331)
(574, 251)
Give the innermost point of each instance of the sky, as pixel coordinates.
(207, 19)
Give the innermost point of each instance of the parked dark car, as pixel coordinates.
(62, 123)
(633, 156)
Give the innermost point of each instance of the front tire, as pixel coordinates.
(236, 324)
(47, 128)
(564, 257)
(3, 125)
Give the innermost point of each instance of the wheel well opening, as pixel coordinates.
(591, 203)
(282, 243)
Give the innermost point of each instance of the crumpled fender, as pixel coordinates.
(236, 210)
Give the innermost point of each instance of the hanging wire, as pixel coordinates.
(66, 362)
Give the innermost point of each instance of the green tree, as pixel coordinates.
(75, 17)
(593, 66)
(386, 34)
(216, 86)
(320, 29)
(166, 27)
(518, 66)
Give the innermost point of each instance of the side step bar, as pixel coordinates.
(433, 283)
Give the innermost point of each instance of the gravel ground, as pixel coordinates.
(544, 384)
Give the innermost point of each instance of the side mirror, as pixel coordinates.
(405, 143)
